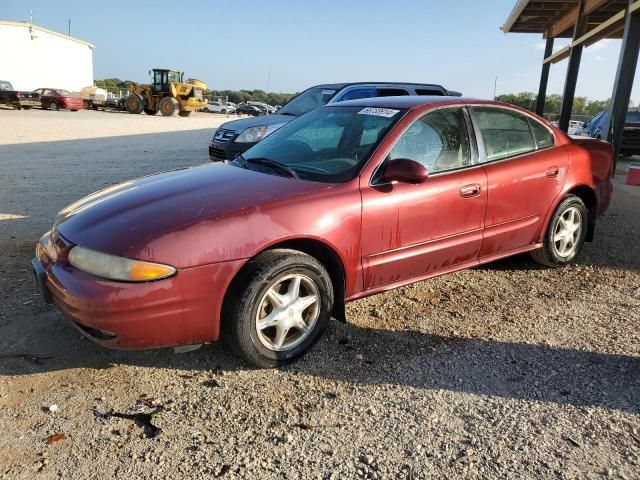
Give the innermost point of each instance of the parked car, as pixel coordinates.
(349, 200)
(216, 107)
(597, 125)
(237, 136)
(17, 99)
(246, 109)
(58, 99)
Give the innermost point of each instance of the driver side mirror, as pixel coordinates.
(403, 170)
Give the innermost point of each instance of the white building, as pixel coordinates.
(34, 57)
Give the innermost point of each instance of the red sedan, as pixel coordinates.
(56, 99)
(346, 201)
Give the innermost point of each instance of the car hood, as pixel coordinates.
(133, 218)
(265, 120)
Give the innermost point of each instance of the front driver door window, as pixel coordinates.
(438, 140)
(415, 231)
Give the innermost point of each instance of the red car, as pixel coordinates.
(346, 201)
(56, 99)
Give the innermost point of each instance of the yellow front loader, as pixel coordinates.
(167, 94)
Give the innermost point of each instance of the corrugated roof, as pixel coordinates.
(557, 17)
(46, 30)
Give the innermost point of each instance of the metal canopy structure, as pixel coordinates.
(584, 22)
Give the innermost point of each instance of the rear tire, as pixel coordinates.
(168, 106)
(53, 106)
(134, 104)
(268, 320)
(565, 234)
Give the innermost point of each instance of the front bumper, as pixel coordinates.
(180, 310)
(227, 151)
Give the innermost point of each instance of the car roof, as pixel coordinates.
(339, 86)
(407, 101)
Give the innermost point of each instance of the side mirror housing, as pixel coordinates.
(404, 170)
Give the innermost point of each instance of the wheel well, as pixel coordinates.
(325, 255)
(588, 196)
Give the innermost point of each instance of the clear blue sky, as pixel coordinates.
(234, 44)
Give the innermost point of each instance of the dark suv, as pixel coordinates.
(597, 125)
(237, 136)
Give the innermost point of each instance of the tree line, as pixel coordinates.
(116, 85)
(581, 105)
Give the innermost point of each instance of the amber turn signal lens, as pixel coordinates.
(142, 271)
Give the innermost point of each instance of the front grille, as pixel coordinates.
(223, 135)
(217, 152)
(631, 132)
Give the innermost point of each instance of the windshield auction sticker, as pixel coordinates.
(378, 112)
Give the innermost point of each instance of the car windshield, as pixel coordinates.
(330, 144)
(64, 92)
(633, 117)
(174, 77)
(308, 100)
(5, 86)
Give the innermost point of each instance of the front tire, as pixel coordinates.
(134, 104)
(278, 307)
(565, 234)
(168, 106)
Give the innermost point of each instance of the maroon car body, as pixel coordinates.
(58, 99)
(209, 221)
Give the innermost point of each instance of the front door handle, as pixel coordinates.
(472, 190)
(552, 172)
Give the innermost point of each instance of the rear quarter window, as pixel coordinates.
(429, 91)
(541, 134)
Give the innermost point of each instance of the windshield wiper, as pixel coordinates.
(287, 113)
(273, 164)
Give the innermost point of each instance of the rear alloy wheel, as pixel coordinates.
(134, 104)
(565, 234)
(279, 308)
(53, 106)
(168, 106)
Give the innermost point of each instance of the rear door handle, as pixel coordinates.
(472, 190)
(552, 172)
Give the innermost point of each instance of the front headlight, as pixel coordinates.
(251, 135)
(117, 268)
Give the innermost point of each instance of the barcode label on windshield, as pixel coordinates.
(378, 112)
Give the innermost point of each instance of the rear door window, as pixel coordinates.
(505, 133)
(392, 92)
(541, 134)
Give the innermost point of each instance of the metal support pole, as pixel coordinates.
(573, 69)
(624, 80)
(544, 77)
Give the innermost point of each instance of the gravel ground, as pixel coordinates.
(505, 371)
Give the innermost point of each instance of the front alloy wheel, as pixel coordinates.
(287, 312)
(278, 307)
